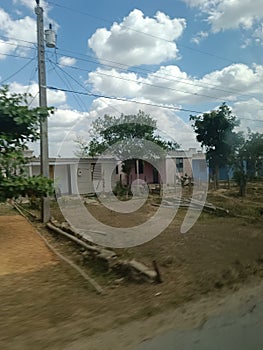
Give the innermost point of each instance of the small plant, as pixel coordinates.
(121, 190)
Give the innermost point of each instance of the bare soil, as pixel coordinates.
(45, 304)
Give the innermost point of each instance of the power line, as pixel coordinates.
(67, 83)
(161, 87)
(76, 81)
(17, 39)
(16, 56)
(18, 71)
(15, 44)
(235, 91)
(122, 99)
(148, 84)
(144, 70)
(140, 32)
(139, 102)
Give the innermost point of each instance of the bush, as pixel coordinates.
(16, 186)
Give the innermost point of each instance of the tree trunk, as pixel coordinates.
(243, 187)
(216, 177)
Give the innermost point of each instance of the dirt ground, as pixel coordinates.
(45, 304)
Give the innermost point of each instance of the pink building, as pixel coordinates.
(168, 170)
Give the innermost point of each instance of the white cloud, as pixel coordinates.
(54, 98)
(67, 61)
(20, 32)
(65, 118)
(6, 47)
(31, 4)
(199, 37)
(258, 34)
(250, 113)
(169, 85)
(169, 124)
(22, 29)
(126, 43)
(229, 14)
(16, 30)
(63, 128)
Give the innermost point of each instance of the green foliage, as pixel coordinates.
(254, 153)
(124, 137)
(19, 125)
(121, 190)
(16, 186)
(215, 132)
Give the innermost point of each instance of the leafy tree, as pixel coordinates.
(254, 153)
(18, 125)
(82, 150)
(248, 159)
(215, 132)
(111, 130)
(125, 137)
(237, 161)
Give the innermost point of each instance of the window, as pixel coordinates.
(140, 166)
(180, 165)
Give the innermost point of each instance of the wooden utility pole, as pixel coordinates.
(45, 207)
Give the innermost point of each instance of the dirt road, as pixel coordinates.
(46, 305)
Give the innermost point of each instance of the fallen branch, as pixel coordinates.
(131, 269)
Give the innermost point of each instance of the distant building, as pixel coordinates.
(168, 170)
(78, 176)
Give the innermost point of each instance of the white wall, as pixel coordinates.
(61, 178)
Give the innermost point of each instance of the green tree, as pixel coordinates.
(248, 159)
(111, 130)
(18, 125)
(215, 132)
(127, 137)
(254, 153)
(237, 161)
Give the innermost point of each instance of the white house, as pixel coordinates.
(100, 174)
(78, 176)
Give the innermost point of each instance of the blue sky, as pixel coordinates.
(181, 54)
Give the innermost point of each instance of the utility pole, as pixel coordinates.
(45, 207)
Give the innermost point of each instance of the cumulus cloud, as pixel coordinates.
(250, 113)
(169, 84)
(31, 4)
(226, 14)
(169, 123)
(65, 118)
(64, 126)
(20, 33)
(17, 32)
(54, 98)
(67, 61)
(200, 36)
(135, 40)
(6, 47)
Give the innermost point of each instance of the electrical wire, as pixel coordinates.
(139, 69)
(16, 45)
(82, 86)
(122, 99)
(138, 102)
(163, 77)
(162, 87)
(17, 39)
(18, 71)
(68, 84)
(140, 32)
(16, 56)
